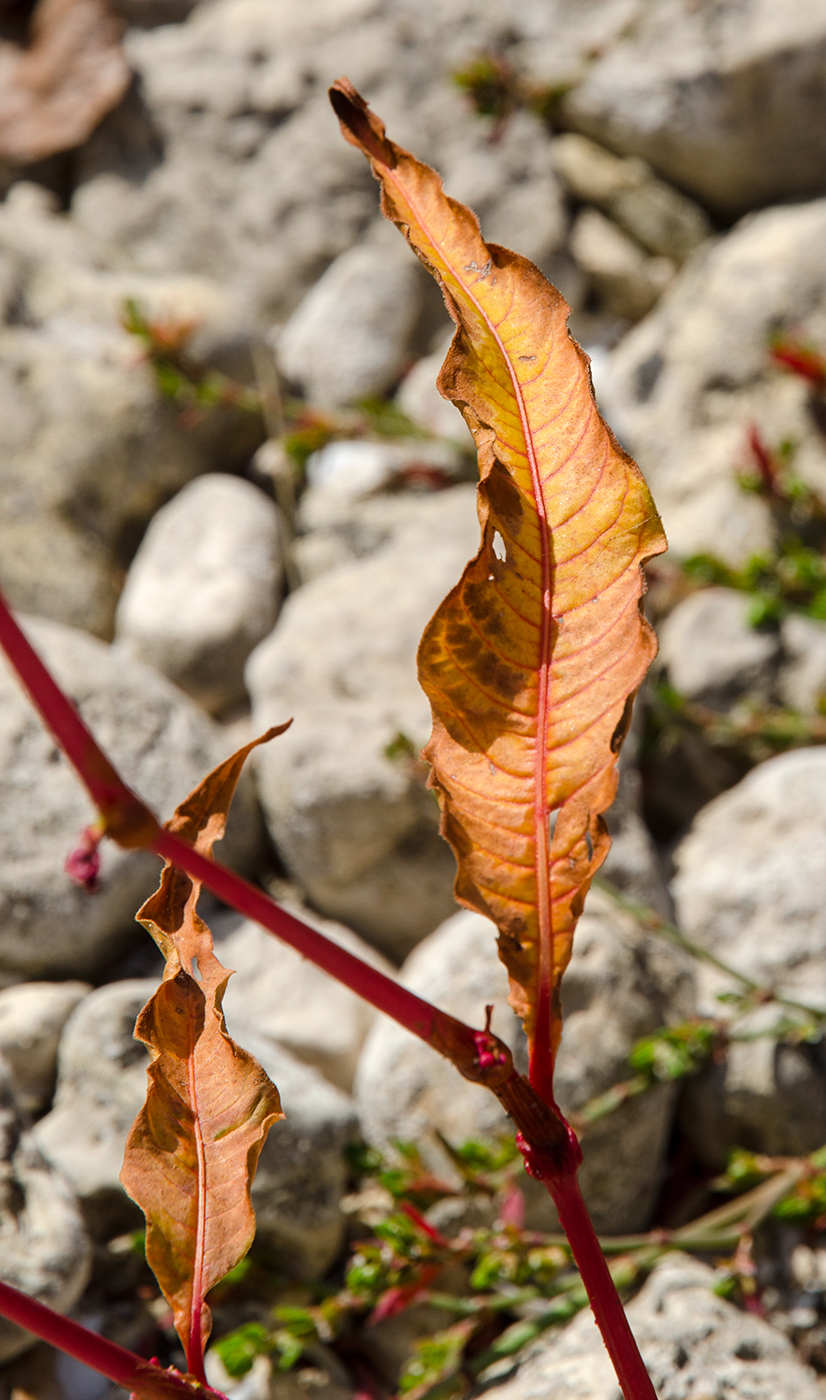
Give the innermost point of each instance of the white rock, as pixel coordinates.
(715, 99)
(88, 445)
(808, 1266)
(349, 337)
(101, 1087)
(802, 680)
(349, 470)
(255, 1385)
(162, 743)
(750, 880)
(419, 398)
(32, 1016)
(287, 999)
(714, 659)
(356, 827)
(511, 184)
(44, 1248)
(689, 381)
(712, 654)
(765, 1096)
(633, 865)
(302, 1171)
(627, 281)
(368, 499)
(204, 587)
(750, 887)
(345, 473)
(694, 1344)
(238, 97)
(403, 1089)
(621, 984)
(654, 213)
(319, 552)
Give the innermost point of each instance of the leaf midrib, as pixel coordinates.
(541, 1067)
(194, 1363)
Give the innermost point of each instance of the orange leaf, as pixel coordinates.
(532, 661)
(193, 1149)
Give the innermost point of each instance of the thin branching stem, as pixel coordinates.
(653, 921)
(548, 1143)
(122, 1367)
(478, 1054)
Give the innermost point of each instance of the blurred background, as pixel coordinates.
(230, 493)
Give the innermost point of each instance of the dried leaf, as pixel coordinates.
(193, 1149)
(532, 661)
(54, 91)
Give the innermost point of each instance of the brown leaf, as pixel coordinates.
(54, 91)
(532, 661)
(194, 1147)
(200, 819)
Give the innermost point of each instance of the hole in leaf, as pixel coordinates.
(589, 845)
(499, 547)
(552, 819)
(196, 971)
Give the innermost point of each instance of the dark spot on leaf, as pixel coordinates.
(482, 602)
(503, 496)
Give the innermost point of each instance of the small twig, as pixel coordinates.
(269, 389)
(281, 476)
(657, 924)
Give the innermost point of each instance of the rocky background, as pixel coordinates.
(231, 494)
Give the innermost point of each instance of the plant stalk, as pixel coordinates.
(122, 1367)
(635, 1382)
(478, 1055)
(548, 1143)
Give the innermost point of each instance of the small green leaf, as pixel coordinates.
(239, 1349)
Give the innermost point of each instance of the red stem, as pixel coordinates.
(367, 982)
(120, 1366)
(61, 716)
(126, 817)
(424, 1225)
(610, 1315)
(767, 466)
(802, 360)
(548, 1143)
(111, 795)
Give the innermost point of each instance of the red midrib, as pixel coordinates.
(541, 1060)
(195, 1352)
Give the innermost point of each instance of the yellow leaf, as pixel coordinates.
(532, 661)
(193, 1149)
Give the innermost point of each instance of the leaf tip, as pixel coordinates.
(361, 127)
